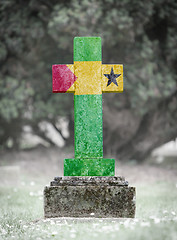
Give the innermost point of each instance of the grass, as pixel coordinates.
(21, 202)
(21, 216)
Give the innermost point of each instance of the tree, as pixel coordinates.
(141, 35)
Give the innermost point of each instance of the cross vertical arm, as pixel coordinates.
(87, 78)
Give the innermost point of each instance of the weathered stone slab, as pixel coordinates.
(89, 197)
(84, 181)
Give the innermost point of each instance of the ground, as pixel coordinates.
(23, 176)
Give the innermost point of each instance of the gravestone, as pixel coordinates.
(88, 187)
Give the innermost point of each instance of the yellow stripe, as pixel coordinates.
(106, 69)
(72, 88)
(88, 75)
(91, 79)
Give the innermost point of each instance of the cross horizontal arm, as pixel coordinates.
(90, 77)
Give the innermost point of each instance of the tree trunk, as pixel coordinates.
(156, 127)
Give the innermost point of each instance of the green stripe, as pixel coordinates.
(88, 126)
(87, 49)
(89, 167)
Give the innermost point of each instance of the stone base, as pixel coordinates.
(102, 197)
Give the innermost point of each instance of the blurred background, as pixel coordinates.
(141, 35)
(37, 126)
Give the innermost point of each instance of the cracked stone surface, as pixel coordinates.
(84, 181)
(89, 197)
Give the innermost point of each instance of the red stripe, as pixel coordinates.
(63, 78)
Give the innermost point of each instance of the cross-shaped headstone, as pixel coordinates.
(88, 78)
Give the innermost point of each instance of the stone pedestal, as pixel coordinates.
(101, 197)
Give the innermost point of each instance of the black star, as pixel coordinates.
(112, 77)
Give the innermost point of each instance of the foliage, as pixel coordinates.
(36, 34)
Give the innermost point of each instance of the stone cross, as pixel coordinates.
(88, 78)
